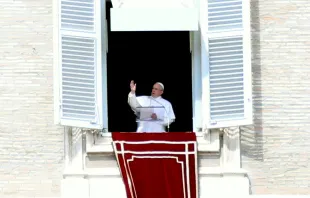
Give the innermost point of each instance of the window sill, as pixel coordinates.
(103, 144)
(210, 171)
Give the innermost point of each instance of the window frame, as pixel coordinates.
(208, 140)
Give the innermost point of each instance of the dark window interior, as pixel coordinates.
(148, 57)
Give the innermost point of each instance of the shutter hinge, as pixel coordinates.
(213, 122)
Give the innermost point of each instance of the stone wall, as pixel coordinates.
(31, 146)
(276, 150)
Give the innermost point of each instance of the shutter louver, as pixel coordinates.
(229, 63)
(226, 79)
(78, 78)
(80, 60)
(77, 15)
(224, 15)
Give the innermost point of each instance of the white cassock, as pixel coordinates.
(164, 117)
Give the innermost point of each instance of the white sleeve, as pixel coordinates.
(133, 102)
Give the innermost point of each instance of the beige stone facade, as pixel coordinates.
(275, 151)
(31, 146)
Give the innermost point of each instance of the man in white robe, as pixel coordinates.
(162, 114)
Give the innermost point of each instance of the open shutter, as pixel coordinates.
(80, 64)
(227, 95)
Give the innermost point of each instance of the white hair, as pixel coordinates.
(161, 85)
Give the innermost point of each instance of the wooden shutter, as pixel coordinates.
(80, 63)
(227, 94)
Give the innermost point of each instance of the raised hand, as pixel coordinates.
(132, 86)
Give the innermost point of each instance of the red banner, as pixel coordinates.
(157, 165)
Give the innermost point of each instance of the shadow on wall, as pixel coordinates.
(252, 136)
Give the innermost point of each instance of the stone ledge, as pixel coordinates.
(97, 172)
(104, 145)
(278, 196)
(222, 171)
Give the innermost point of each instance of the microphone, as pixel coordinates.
(165, 111)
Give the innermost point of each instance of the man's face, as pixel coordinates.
(157, 90)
